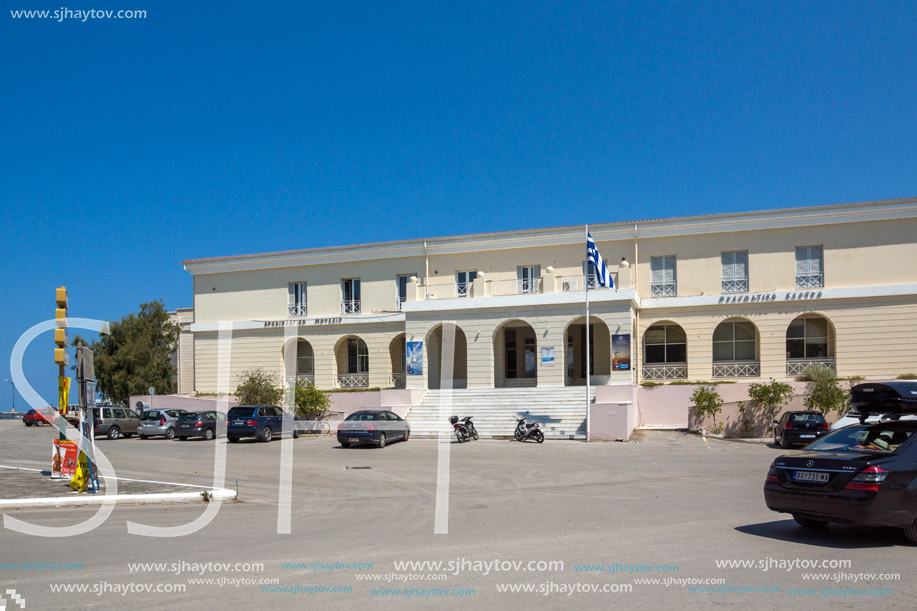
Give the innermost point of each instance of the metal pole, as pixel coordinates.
(14, 394)
(588, 356)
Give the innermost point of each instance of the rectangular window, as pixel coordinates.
(528, 277)
(735, 271)
(530, 362)
(350, 304)
(589, 275)
(296, 299)
(463, 282)
(357, 356)
(810, 267)
(402, 282)
(663, 282)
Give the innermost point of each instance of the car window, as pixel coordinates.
(807, 418)
(362, 416)
(106, 413)
(188, 416)
(174, 413)
(278, 411)
(119, 413)
(131, 414)
(866, 439)
(241, 412)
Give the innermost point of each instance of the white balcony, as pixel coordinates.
(398, 380)
(298, 309)
(796, 367)
(668, 371)
(810, 281)
(353, 380)
(736, 369)
(664, 289)
(738, 285)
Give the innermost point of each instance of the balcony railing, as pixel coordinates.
(398, 380)
(462, 289)
(578, 283)
(298, 309)
(353, 380)
(810, 281)
(400, 302)
(669, 371)
(796, 367)
(736, 369)
(300, 378)
(739, 285)
(664, 289)
(350, 307)
(514, 287)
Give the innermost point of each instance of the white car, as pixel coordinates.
(853, 417)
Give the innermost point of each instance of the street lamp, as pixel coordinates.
(14, 393)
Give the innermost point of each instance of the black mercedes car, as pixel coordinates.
(861, 474)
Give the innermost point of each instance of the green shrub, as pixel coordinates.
(770, 397)
(826, 394)
(906, 376)
(257, 387)
(310, 402)
(707, 402)
(651, 384)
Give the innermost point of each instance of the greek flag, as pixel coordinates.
(593, 256)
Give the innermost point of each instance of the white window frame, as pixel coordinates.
(663, 284)
(528, 277)
(734, 281)
(807, 277)
(297, 303)
(352, 305)
(463, 287)
(399, 298)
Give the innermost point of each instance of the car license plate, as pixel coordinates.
(811, 476)
(238, 422)
(185, 426)
(354, 440)
(807, 436)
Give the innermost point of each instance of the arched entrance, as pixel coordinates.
(396, 353)
(515, 355)
(352, 358)
(302, 367)
(575, 352)
(809, 341)
(435, 354)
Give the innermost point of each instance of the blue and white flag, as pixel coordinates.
(593, 256)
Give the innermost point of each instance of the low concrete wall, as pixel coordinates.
(613, 416)
(191, 404)
(669, 406)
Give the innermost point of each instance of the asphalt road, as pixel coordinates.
(666, 508)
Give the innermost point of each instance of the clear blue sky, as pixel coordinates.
(128, 146)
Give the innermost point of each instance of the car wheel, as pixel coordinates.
(232, 439)
(809, 522)
(113, 433)
(345, 444)
(170, 433)
(142, 436)
(784, 443)
(40, 422)
(267, 434)
(208, 434)
(27, 423)
(407, 435)
(382, 440)
(910, 531)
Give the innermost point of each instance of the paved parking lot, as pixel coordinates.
(666, 507)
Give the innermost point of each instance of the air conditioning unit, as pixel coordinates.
(566, 285)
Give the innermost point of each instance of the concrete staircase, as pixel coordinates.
(560, 410)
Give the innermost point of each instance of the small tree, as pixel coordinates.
(311, 403)
(770, 397)
(826, 394)
(707, 402)
(257, 387)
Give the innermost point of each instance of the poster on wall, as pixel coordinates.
(620, 350)
(414, 358)
(547, 356)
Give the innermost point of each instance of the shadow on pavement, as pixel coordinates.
(838, 536)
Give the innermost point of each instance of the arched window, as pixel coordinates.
(735, 350)
(305, 363)
(807, 338)
(665, 352)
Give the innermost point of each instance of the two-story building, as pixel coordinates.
(742, 296)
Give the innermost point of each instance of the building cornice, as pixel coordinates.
(777, 297)
(887, 210)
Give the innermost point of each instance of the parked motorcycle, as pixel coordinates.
(525, 430)
(464, 428)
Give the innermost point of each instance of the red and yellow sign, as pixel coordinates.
(63, 458)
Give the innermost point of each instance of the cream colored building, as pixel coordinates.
(743, 296)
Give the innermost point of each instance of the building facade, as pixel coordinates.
(741, 296)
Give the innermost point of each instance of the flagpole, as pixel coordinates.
(588, 355)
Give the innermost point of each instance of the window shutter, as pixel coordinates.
(291, 294)
(815, 259)
(802, 260)
(728, 265)
(669, 270)
(741, 267)
(536, 272)
(657, 266)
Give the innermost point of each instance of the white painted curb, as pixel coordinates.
(219, 494)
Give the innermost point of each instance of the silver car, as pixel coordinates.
(156, 422)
